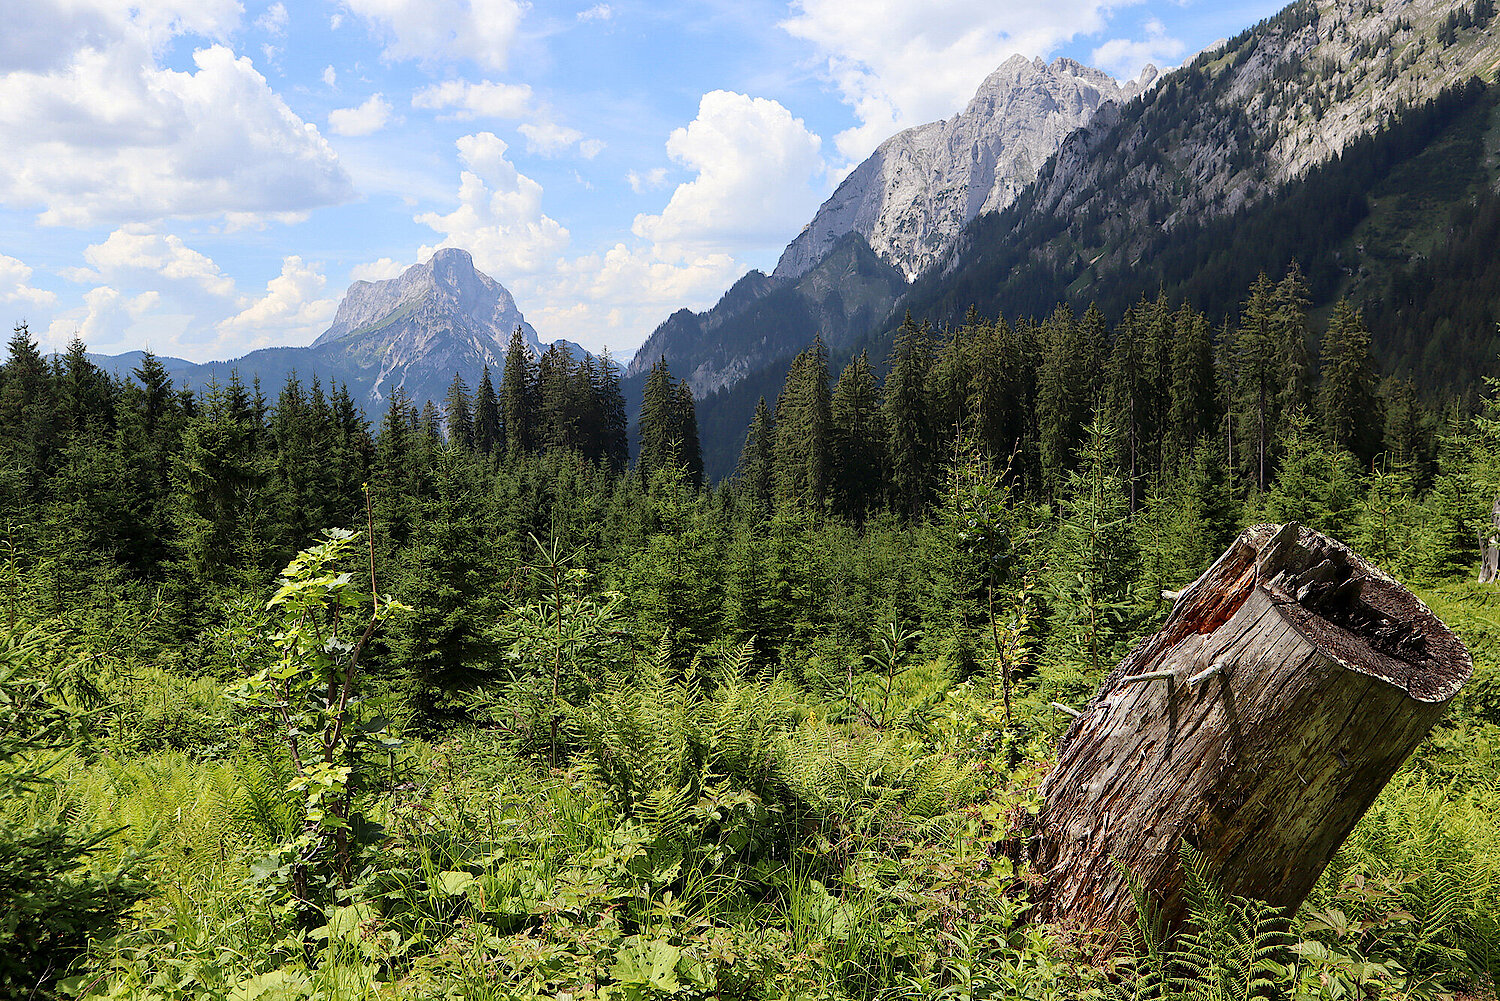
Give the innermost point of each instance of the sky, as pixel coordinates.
(207, 177)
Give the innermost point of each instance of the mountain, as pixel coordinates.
(889, 218)
(763, 318)
(413, 332)
(1153, 193)
(919, 188)
(1361, 140)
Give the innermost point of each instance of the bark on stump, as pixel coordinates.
(1287, 685)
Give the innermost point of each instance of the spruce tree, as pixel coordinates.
(669, 427)
(517, 395)
(685, 415)
(857, 440)
(458, 414)
(802, 424)
(911, 442)
(614, 426)
(756, 471)
(489, 435)
(1348, 409)
(659, 436)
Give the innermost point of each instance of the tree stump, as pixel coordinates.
(1287, 685)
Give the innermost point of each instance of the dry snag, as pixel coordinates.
(1285, 688)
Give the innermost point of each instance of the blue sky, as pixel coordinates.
(205, 177)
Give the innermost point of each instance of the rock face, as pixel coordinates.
(920, 187)
(1227, 131)
(892, 217)
(439, 317)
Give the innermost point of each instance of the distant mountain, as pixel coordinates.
(413, 332)
(894, 214)
(762, 319)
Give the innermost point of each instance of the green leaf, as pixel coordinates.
(453, 883)
(652, 963)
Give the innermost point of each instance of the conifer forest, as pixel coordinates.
(475, 701)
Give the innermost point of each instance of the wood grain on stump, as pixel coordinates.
(1287, 685)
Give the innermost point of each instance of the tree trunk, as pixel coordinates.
(1489, 572)
(1287, 685)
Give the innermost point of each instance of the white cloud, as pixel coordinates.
(376, 271)
(330, 76)
(367, 118)
(755, 169)
(107, 315)
(480, 31)
(590, 148)
(598, 12)
(274, 21)
(619, 296)
(14, 287)
(899, 64)
(548, 138)
(471, 100)
(290, 312)
(41, 37)
(112, 136)
(1125, 58)
(499, 219)
(139, 252)
(656, 177)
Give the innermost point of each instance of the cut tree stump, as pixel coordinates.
(1287, 685)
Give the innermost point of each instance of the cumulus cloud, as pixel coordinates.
(107, 315)
(365, 119)
(41, 37)
(1125, 57)
(15, 278)
(136, 251)
(473, 100)
(755, 170)
(109, 135)
(617, 297)
(499, 218)
(479, 31)
(291, 311)
(548, 138)
(376, 271)
(598, 12)
(330, 76)
(899, 64)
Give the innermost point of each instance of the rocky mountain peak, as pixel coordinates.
(447, 283)
(914, 194)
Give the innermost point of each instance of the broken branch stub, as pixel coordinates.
(1301, 677)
